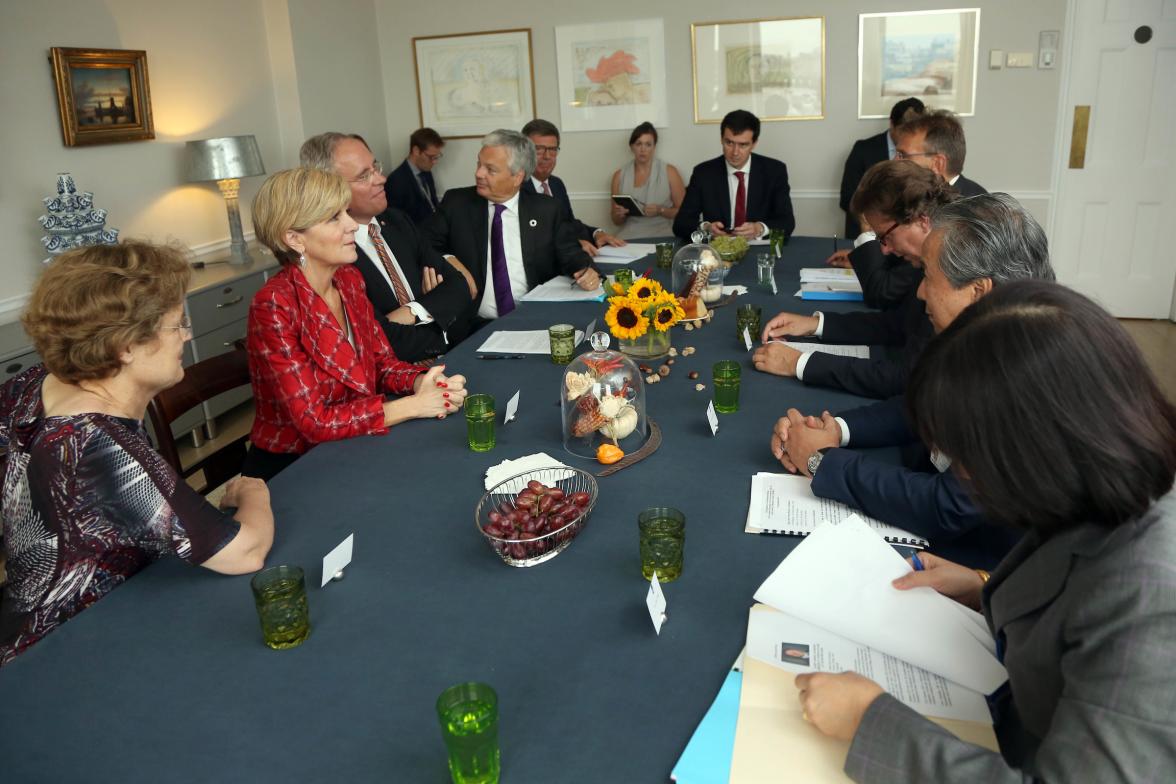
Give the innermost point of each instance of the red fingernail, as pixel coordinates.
(442, 385)
(445, 394)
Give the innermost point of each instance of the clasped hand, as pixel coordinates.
(795, 437)
(751, 230)
(438, 395)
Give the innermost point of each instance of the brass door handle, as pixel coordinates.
(1078, 133)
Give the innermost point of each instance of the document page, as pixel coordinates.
(785, 504)
(839, 275)
(798, 647)
(839, 578)
(562, 288)
(530, 341)
(609, 254)
(861, 352)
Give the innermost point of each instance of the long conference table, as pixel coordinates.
(166, 678)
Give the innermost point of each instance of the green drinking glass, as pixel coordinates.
(280, 595)
(624, 276)
(468, 713)
(725, 377)
(665, 255)
(662, 531)
(563, 343)
(750, 317)
(479, 414)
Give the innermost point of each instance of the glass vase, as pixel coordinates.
(652, 345)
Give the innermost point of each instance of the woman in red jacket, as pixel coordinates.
(320, 363)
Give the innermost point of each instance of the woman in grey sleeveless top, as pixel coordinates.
(654, 184)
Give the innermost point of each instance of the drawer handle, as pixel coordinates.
(14, 367)
(230, 303)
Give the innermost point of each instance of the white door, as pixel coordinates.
(1114, 221)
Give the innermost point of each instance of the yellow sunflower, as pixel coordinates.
(625, 319)
(644, 290)
(667, 312)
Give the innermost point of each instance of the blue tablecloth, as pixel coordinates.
(166, 679)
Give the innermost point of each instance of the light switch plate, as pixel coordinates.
(1019, 60)
(996, 59)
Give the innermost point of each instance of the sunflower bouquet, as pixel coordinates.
(637, 307)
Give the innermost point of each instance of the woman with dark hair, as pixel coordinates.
(653, 183)
(1045, 404)
(87, 502)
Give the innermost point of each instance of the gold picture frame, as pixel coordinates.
(468, 84)
(103, 95)
(774, 68)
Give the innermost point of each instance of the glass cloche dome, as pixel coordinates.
(602, 398)
(698, 277)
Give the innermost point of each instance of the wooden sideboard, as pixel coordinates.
(217, 303)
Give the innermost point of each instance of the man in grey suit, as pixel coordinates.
(1049, 412)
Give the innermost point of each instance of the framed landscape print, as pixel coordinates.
(774, 68)
(612, 75)
(471, 83)
(103, 95)
(931, 55)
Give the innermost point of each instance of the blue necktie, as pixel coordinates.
(427, 181)
(502, 295)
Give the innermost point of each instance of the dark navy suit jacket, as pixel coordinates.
(768, 197)
(559, 191)
(865, 153)
(404, 193)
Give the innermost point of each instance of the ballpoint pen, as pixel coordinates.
(834, 242)
(916, 562)
(502, 356)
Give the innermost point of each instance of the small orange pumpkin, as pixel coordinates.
(607, 453)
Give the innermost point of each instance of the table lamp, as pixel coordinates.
(226, 160)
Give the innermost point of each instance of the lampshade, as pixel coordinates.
(226, 158)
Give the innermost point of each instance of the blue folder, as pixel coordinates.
(707, 757)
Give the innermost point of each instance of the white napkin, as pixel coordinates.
(734, 290)
(508, 468)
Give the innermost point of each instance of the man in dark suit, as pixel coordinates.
(865, 153)
(738, 193)
(417, 294)
(974, 245)
(410, 187)
(545, 136)
(512, 239)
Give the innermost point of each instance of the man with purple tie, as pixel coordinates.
(512, 239)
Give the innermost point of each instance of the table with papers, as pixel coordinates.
(166, 678)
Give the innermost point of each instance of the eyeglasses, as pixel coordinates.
(374, 170)
(185, 325)
(906, 156)
(434, 157)
(882, 237)
(543, 149)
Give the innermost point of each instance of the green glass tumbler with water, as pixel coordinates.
(468, 713)
(777, 239)
(665, 255)
(725, 376)
(280, 595)
(562, 338)
(624, 277)
(751, 318)
(662, 531)
(479, 414)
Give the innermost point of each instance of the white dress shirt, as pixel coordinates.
(512, 243)
(363, 239)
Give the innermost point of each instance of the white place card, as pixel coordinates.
(512, 408)
(746, 337)
(338, 559)
(655, 600)
(712, 418)
(588, 331)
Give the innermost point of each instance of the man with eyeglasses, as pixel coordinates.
(739, 193)
(410, 186)
(545, 136)
(866, 152)
(417, 294)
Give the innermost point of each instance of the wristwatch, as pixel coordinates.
(814, 460)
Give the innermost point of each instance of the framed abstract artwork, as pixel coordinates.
(103, 95)
(931, 55)
(612, 75)
(471, 83)
(774, 68)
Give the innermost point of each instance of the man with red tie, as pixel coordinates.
(739, 193)
(511, 239)
(417, 294)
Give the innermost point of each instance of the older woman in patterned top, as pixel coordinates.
(320, 363)
(87, 502)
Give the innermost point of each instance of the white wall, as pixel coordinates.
(209, 76)
(1010, 138)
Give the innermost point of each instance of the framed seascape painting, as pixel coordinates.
(471, 83)
(931, 55)
(774, 68)
(102, 95)
(612, 75)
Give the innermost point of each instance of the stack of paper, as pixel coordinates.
(829, 283)
(859, 352)
(785, 504)
(562, 288)
(508, 468)
(624, 254)
(528, 341)
(838, 275)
